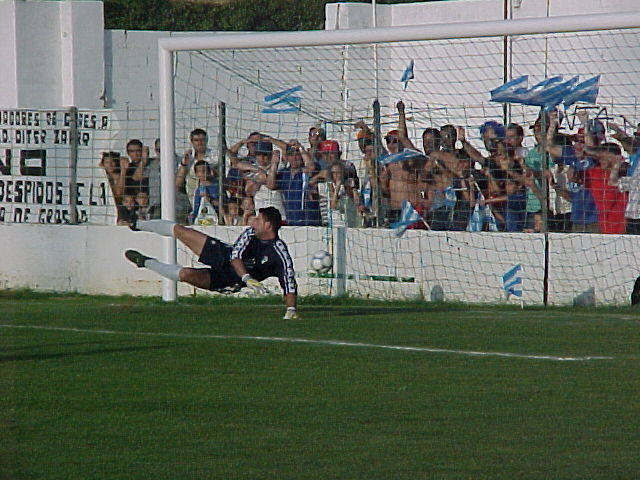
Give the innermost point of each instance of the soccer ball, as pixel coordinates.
(322, 261)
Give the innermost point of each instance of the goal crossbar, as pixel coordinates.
(441, 31)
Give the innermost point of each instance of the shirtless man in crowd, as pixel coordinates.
(402, 181)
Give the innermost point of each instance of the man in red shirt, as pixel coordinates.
(610, 201)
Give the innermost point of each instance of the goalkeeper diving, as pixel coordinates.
(258, 253)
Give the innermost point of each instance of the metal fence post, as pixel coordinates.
(222, 153)
(378, 149)
(73, 165)
(340, 256)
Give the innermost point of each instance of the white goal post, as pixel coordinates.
(170, 45)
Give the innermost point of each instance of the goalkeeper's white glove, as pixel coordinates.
(291, 314)
(254, 284)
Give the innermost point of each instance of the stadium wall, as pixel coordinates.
(466, 267)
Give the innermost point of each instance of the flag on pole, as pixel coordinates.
(283, 101)
(407, 75)
(408, 215)
(512, 282)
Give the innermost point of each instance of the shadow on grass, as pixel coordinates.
(363, 311)
(9, 348)
(101, 351)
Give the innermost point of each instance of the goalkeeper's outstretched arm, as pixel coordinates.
(290, 299)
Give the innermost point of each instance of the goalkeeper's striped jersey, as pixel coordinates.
(266, 258)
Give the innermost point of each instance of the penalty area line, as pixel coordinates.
(337, 343)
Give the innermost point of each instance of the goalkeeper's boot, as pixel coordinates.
(136, 257)
(291, 314)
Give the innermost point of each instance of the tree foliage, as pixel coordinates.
(241, 15)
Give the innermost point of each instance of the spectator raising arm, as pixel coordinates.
(402, 127)
(363, 130)
(183, 169)
(554, 149)
(625, 140)
(272, 175)
(139, 173)
(473, 153)
(282, 145)
(234, 149)
(121, 180)
(309, 163)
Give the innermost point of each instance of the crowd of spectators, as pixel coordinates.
(588, 181)
(134, 180)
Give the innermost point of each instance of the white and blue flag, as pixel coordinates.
(548, 93)
(406, 154)
(408, 215)
(512, 282)
(283, 101)
(407, 74)
(480, 216)
(554, 94)
(634, 161)
(511, 91)
(586, 91)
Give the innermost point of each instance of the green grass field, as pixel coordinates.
(127, 388)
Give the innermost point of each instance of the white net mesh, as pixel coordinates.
(337, 86)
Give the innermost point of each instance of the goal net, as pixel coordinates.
(498, 217)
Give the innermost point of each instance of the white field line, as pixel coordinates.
(315, 342)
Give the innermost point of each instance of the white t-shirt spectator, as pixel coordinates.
(631, 185)
(265, 197)
(191, 180)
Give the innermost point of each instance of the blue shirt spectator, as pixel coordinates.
(516, 211)
(583, 207)
(570, 159)
(301, 201)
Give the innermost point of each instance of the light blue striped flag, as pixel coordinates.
(517, 91)
(548, 93)
(586, 91)
(480, 216)
(407, 75)
(512, 282)
(554, 94)
(283, 101)
(510, 91)
(406, 154)
(634, 161)
(408, 215)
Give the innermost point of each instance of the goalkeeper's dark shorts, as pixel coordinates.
(217, 255)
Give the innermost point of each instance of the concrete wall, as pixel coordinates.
(52, 54)
(8, 57)
(359, 15)
(467, 267)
